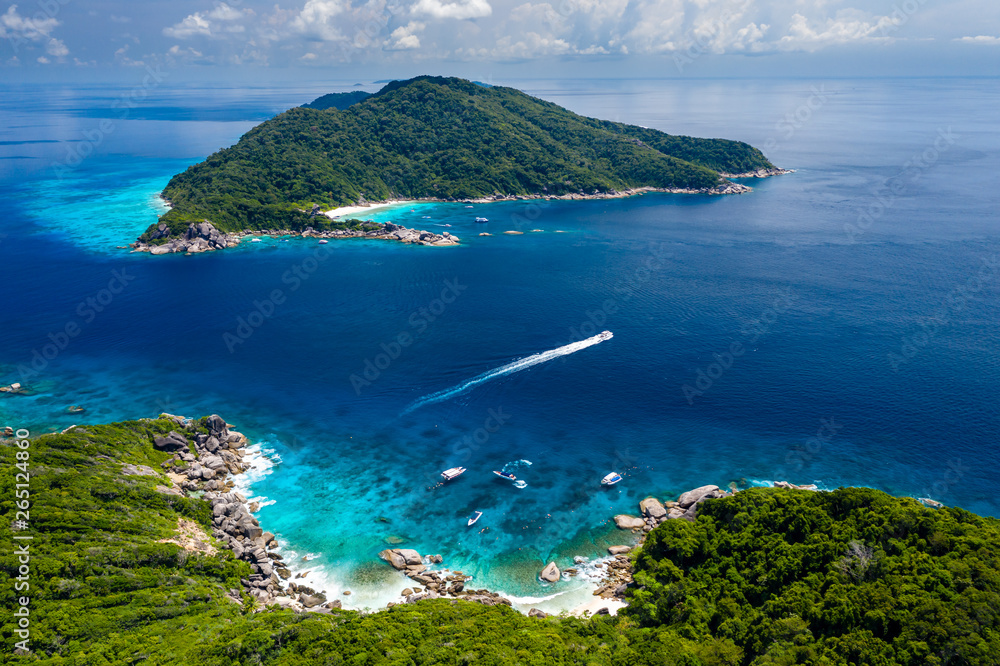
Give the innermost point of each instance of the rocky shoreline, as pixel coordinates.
(759, 173)
(207, 457)
(435, 584)
(205, 237)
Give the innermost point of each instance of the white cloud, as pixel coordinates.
(980, 39)
(220, 21)
(849, 25)
(56, 48)
(195, 24)
(404, 37)
(316, 19)
(22, 30)
(13, 25)
(457, 9)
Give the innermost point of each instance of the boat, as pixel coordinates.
(323, 242)
(474, 517)
(482, 219)
(468, 206)
(254, 240)
(611, 479)
(505, 475)
(450, 474)
(605, 335)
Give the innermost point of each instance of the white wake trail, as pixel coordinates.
(510, 368)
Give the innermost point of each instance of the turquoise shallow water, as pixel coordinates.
(816, 314)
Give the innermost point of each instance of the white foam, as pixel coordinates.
(510, 368)
(526, 601)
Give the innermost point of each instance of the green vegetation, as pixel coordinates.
(434, 137)
(768, 576)
(337, 100)
(851, 576)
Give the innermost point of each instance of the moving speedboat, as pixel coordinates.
(482, 219)
(450, 474)
(605, 335)
(474, 517)
(505, 475)
(611, 479)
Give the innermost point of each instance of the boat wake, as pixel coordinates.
(509, 369)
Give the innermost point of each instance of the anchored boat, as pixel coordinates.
(474, 517)
(505, 475)
(450, 474)
(611, 479)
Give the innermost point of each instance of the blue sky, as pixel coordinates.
(380, 37)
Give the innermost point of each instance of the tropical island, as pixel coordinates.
(138, 551)
(434, 138)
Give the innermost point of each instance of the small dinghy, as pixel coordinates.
(450, 474)
(505, 475)
(611, 479)
(474, 517)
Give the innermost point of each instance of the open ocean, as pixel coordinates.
(838, 325)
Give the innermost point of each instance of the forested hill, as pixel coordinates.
(439, 138)
(337, 100)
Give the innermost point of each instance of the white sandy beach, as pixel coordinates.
(369, 208)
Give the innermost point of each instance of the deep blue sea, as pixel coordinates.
(838, 325)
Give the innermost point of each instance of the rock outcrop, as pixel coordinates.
(626, 522)
(435, 584)
(204, 237)
(698, 494)
(759, 173)
(198, 237)
(550, 573)
(652, 508)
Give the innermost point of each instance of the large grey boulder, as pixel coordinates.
(652, 508)
(619, 550)
(693, 496)
(216, 426)
(411, 556)
(174, 441)
(625, 522)
(393, 557)
(550, 573)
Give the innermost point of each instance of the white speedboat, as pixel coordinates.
(505, 475)
(474, 517)
(323, 242)
(254, 240)
(605, 335)
(451, 473)
(482, 219)
(611, 479)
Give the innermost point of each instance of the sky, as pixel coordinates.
(581, 37)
